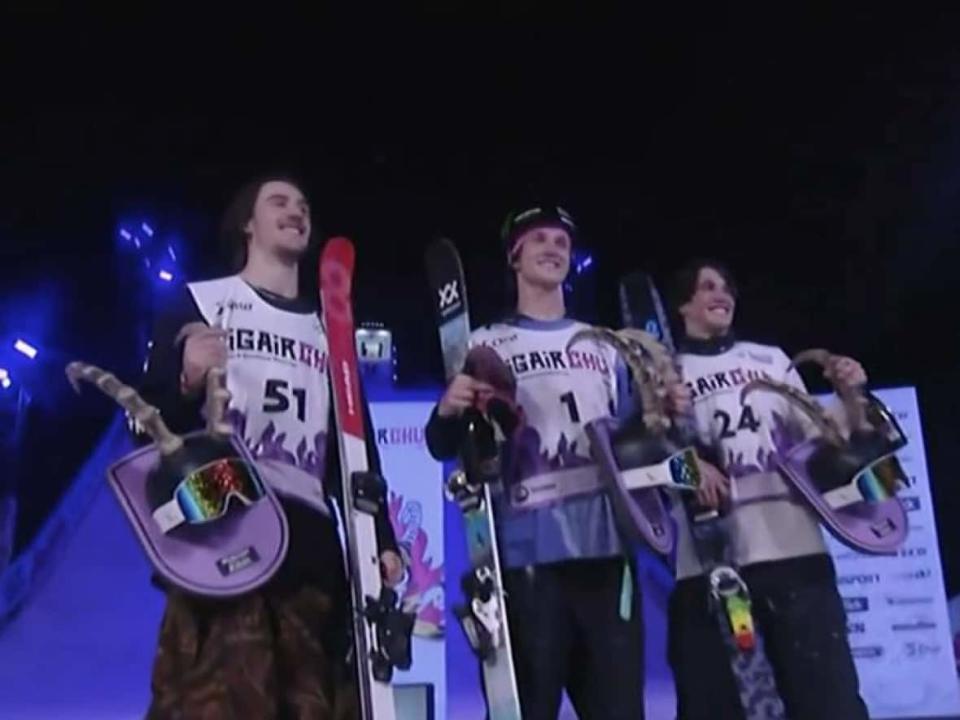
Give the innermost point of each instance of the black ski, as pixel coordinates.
(642, 307)
(483, 618)
(381, 631)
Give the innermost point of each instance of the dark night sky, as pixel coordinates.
(817, 151)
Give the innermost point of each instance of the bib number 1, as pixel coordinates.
(570, 401)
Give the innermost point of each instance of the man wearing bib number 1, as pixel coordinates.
(776, 539)
(279, 651)
(572, 597)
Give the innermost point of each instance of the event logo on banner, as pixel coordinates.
(896, 606)
(415, 499)
(423, 590)
(415, 494)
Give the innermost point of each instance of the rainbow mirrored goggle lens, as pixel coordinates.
(881, 479)
(684, 470)
(205, 493)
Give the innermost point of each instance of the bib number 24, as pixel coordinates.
(748, 421)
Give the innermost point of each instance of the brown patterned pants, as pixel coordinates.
(271, 655)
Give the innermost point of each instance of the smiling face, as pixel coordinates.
(280, 224)
(709, 311)
(542, 257)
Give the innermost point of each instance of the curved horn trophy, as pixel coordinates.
(126, 397)
(618, 447)
(850, 479)
(225, 557)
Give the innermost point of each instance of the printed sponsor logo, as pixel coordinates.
(856, 604)
(449, 296)
(919, 574)
(348, 389)
(911, 502)
(233, 305)
(536, 361)
(915, 649)
(724, 380)
(256, 342)
(914, 625)
(856, 628)
(496, 342)
(913, 552)
(862, 579)
(237, 561)
(407, 435)
(907, 600)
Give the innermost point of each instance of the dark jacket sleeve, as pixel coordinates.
(386, 538)
(160, 385)
(443, 435)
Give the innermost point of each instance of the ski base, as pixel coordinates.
(381, 631)
(483, 618)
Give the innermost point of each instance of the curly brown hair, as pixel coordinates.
(233, 224)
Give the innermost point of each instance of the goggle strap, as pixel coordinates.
(662, 474)
(169, 515)
(853, 492)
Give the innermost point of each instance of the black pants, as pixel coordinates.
(567, 634)
(800, 614)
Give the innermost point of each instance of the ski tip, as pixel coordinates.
(442, 260)
(336, 260)
(339, 247)
(440, 244)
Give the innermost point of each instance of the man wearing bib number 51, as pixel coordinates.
(281, 650)
(573, 601)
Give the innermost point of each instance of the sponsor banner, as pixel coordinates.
(896, 606)
(416, 511)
